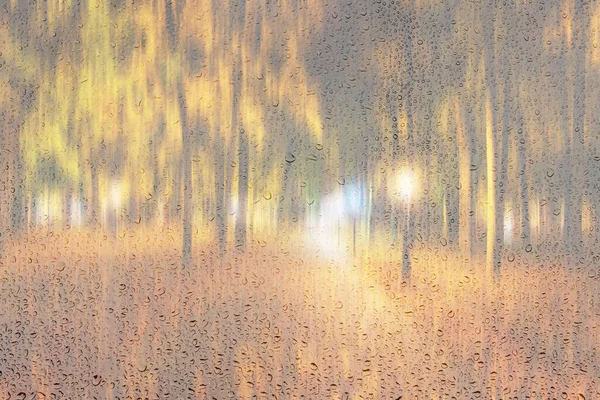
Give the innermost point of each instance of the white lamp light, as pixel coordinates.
(406, 184)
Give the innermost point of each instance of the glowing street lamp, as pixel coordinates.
(406, 185)
(508, 227)
(115, 194)
(353, 205)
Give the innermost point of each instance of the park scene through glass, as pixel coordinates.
(299, 199)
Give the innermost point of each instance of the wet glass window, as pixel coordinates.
(287, 199)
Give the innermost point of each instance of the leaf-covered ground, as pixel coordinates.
(88, 316)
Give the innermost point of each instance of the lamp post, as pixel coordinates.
(406, 189)
(115, 199)
(353, 197)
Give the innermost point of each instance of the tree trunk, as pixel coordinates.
(4, 190)
(524, 192)
(464, 182)
(472, 180)
(502, 184)
(574, 205)
(186, 255)
(94, 203)
(186, 162)
(240, 229)
(494, 225)
(408, 229)
(285, 197)
(396, 215)
(221, 213)
(453, 188)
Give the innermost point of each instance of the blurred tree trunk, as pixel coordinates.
(240, 229)
(372, 207)
(94, 204)
(237, 129)
(68, 188)
(472, 179)
(596, 215)
(133, 213)
(502, 183)
(524, 192)
(285, 197)
(558, 169)
(152, 197)
(17, 188)
(406, 241)
(221, 213)
(453, 185)
(494, 214)
(186, 162)
(574, 208)
(230, 165)
(407, 236)
(471, 147)
(522, 185)
(67, 209)
(186, 256)
(427, 173)
(4, 188)
(159, 181)
(464, 181)
(393, 111)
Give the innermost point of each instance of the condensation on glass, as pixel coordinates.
(299, 199)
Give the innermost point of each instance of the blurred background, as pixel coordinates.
(241, 120)
(403, 137)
